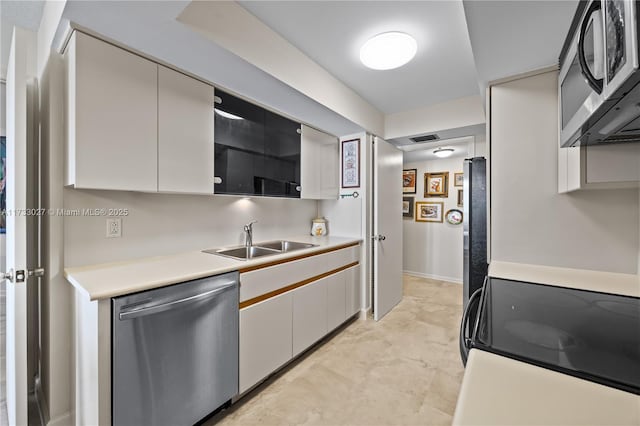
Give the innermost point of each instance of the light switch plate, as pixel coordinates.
(114, 227)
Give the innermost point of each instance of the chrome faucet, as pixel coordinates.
(248, 233)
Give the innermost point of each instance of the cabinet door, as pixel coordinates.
(336, 299)
(265, 339)
(309, 315)
(185, 133)
(281, 172)
(320, 165)
(239, 144)
(112, 117)
(352, 277)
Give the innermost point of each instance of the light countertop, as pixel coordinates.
(115, 279)
(501, 391)
(604, 282)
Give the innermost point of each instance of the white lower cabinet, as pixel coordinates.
(277, 329)
(309, 314)
(352, 284)
(336, 299)
(265, 338)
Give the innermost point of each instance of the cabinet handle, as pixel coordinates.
(217, 179)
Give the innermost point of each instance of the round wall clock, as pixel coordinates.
(454, 216)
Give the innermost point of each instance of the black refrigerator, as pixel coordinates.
(475, 226)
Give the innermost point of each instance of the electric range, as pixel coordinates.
(587, 334)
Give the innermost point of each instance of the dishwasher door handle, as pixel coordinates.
(154, 309)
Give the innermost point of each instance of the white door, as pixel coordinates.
(387, 228)
(19, 110)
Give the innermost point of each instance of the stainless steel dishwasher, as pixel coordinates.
(175, 352)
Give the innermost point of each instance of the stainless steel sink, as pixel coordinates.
(243, 253)
(260, 249)
(285, 246)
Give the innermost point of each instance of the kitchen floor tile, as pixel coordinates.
(403, 370)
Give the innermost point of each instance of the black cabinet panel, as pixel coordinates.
(257, 152)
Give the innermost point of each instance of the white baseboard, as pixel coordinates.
(364, 313)
(63, 420)
(434, 277)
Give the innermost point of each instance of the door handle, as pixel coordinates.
(21, 275)
(595, 83)
(378, 237)
(148, 310)
(7, 275)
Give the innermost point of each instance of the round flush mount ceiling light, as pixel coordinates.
(387, 51)
(443, 152)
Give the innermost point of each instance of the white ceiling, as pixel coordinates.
(331, 33)
(462, 147)
(506, 37)
(512, 37)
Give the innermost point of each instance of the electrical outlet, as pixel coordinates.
(114, 227)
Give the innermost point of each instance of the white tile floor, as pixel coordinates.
(403, 370)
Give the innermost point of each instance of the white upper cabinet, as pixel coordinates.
(320, 162)
(599, 167)
(185, 133)
(112, 117)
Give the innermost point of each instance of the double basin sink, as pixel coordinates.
(262, 249)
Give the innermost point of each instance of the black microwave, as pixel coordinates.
(598, 83)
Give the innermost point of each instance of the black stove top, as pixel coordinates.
(591, 335)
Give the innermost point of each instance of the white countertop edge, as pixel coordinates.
(497, 390)
(600, 281)
(132, 276)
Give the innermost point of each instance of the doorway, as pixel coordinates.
(433, 222)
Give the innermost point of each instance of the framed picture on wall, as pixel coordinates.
(460, 197)
(409, 181)
(436, 184)
(351, 163)
(458, 179)
(407, 207)
(429, 211)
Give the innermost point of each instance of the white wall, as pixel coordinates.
(434, 250)
(349, 216)
(531, 222)
(160, 224)
(463, 112)
(3, 132)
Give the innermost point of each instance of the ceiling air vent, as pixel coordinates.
(425, 138)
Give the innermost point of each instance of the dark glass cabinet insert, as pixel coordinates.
(257, 152)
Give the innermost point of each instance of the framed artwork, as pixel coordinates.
(351, 163)
(407, 207)
(460, 197)
(454, 216)
(429, 211)
(436, 184)
(458, 179)
(409, 181)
